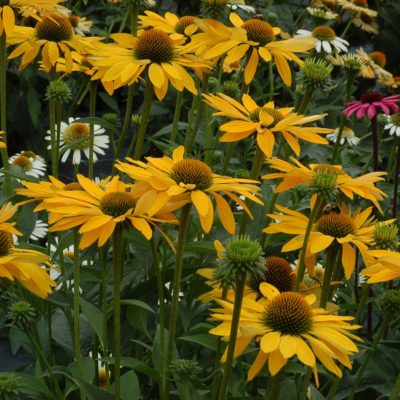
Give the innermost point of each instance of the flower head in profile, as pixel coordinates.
(164, 179)
(256, 38)
(154, 52)
(97, 210)
(322, 13)
(325, 39)
(18, 264)
(335, 227)
(348, 136)
(383, 266)
(325, 176)
(285, 325)
(10, 9)
(357, 7)
(365, 22)
(265, 121)
(52, 37)
(393, 124)
(370, 104)
(29, 163)
(76, 135)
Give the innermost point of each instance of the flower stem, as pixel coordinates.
(304, 102)
(160, 288)
(77, 330)
(239, 291)
(3, 113)
(92, 114)
(183, 231)
(118, 254)
(302, 266)
(331, 256)
(363, 300)
(306, 384)
(127, 121)
(228, 155)
(375, 143)
(177, 114)
(148, 98)
(348, 26)
(274, 386)
(371, 352)
(396, 183)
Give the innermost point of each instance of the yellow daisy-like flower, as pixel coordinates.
(190, 181)
(296, 174)
(286, 325)
(265, 121)
(383, 266)
(256, 38)
(356, 7)
(178, 28)
(97, 210)
(338, 227)
(154, 52)
(10, 8)
(51, 37)
(20, 264)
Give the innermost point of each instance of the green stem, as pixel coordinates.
(92, 114)
(188, 133)
(392, 158)
(134, 18)
(148, 98)
(118, 254)
(258, 162)
(237, 306)
(363, 300)
(77, 331)
(229, 153)
(371, 352)
(208, 137)
(183, 231)
(302, 266)
(375, 143)
(343, 35)
(331, 255)
(160, 288)
(3, 113)
(274, 386)
(127, 121)
(271, 80)
(177, 114)
(334, 389)
(306, 384)
(396, 183)
(305, 100)
(394, 395)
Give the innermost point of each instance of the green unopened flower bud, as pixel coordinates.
(213, 84)
(231, 89)
(315, 73)
(9, 384)
(242, 256)
(385, 236)
(216, 9)
(185, 370)
(58, 91)
(324, 181)
(21, 314)
(389, 303)
(7, 292)
(112, 118)
(136, 119)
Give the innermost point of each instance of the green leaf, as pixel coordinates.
(94, 316)
(205, 340)
(93, 392)
(137, 303)
(130, 388)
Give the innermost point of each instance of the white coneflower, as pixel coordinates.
(39, 231)
(235, 5)
(29, 163)
(326, 39)
(348, 136)
(81, 25)
(393, 124)
(322, 13)
(76, 134)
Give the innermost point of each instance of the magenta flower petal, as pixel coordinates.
(371, 111)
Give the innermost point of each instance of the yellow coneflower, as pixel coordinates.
(366, 23)
(256, 38)
(165, 179)
(383, 266)
(154, 52)
(296, 174)
(51, 37)
(265, 121)
(338, 227)
(21, 264)
(286, 325)
(97, 210)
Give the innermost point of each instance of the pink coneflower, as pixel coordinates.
(370, 104)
